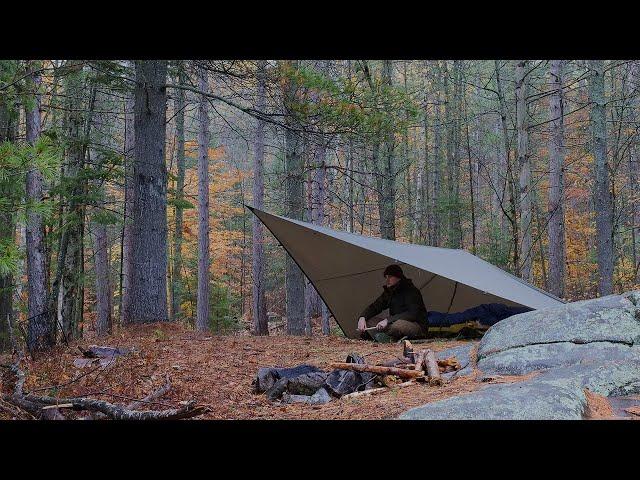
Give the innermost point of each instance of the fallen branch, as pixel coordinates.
(37, 405)
(117, 412)
(155, 395)
(374, 391)
(15, 411)
(360, 367)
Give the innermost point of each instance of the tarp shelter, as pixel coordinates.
(346, 270)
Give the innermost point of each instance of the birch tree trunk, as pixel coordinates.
(602, 193)
(176, 278)
(260, 320)
(148, 299)
(294, 187)
(524, 165)
(202, 317)
(41, 329)
(557, 247)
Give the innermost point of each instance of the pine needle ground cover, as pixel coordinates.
(217, 371)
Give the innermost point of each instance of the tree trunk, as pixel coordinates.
(260, 325)
(202, 317)
(129, 193)
(101, 253)
(422, 180)
(69, 285)
(176, 278)
(294, 186)
(634, 187)
(387, 195)
(148, 300)
(602, 192)
(472, 170)
(103, 285)
(410, 211)
(509, 181)
(557, 247)
(66, 299)
(7, 233)
(41, 329)
(452, 121)
(434, 224)
(320, 181)
(524, 165)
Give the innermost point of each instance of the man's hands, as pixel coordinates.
(362, 324)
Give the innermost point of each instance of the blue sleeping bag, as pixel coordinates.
(486, 314)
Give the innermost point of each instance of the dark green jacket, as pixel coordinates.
(403, 300)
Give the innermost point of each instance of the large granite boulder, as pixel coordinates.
(530, 358)
(605, 328)
(606, 319)
(592, 344)
(557, 394)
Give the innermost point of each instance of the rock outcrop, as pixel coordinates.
(592, 344)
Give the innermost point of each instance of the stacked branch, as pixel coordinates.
(413, 365)
(380, 370)
(424, 361)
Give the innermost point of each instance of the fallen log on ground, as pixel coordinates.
(433, 371)
(37, 405)
(360, 367)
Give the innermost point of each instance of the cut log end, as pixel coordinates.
(433, 371)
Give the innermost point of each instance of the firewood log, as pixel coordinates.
(432, 368)
(407, 351)
(374, 391)
(420, 361)
(359, 367)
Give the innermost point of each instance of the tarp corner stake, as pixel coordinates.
(346, 270)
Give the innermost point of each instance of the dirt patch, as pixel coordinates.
(218, 370)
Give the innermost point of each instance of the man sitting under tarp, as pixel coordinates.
(408, 317)
(407, 313)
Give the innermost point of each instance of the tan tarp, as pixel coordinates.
(346, 269)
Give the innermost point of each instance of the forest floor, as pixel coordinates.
(217, 371)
